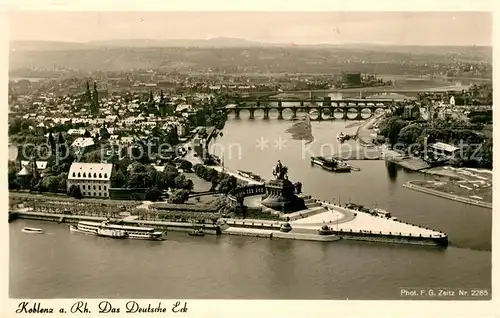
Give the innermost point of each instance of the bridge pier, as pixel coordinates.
(320, 113)
(358, 117)
(252, 113)
(280, 113)
(327, 101)
(331, 110)
(266, 113)
(237, 114)
(344, 116)
(294, 112)
(372, 110)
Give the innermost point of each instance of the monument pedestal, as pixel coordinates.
(280, 196)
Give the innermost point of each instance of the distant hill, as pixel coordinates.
(234, 55)
(214, 43)
(221, 42)
(47, 46)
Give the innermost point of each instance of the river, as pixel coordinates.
(61, 264)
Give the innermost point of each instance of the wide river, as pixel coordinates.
(61, 264)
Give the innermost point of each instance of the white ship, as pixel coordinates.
(108, 229)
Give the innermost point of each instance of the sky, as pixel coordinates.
(395, 28)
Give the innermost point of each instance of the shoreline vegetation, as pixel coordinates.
(302, 130)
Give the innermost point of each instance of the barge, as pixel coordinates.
(331, 164)
(367, 236)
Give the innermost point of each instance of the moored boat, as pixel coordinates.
(107, 229)
(32, 230)
(249, 175)
(331, 164)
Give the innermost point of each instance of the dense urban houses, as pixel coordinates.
(93, 179)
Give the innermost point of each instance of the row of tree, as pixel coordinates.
(221, 182)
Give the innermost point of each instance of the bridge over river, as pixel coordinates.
(324, 108)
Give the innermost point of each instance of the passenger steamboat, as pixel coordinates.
(107, 229)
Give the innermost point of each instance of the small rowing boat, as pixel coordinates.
(197, 232)
(32, 230)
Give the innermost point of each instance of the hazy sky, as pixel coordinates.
(421, 28)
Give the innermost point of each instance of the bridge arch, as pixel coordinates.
(365, 112)
(289, 112)
(327, 113)
(315, 112)
(339, 113)
(353, 112)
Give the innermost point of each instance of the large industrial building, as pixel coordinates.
(350, 79)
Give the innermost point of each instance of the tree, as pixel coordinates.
(62, 178)
(93, 156)
(15, 126)
(86, 134)
(170, 168)
(13, 183)
(123, 164)
(410, 133)
(138, 180)
(213, 175)
(137, 167)
(179, 196)
(153, 194)
(185, 165)
(74, 192)
(227, 184)
(182, 183)
(50, 183)
(118, 179)
(391, 127)
(486, 154)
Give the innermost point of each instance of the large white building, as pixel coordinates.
(93, 179)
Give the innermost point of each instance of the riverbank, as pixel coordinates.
(470, 186)
(342, 222)
(425, 187)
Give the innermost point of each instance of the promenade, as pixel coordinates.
(306, 223)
